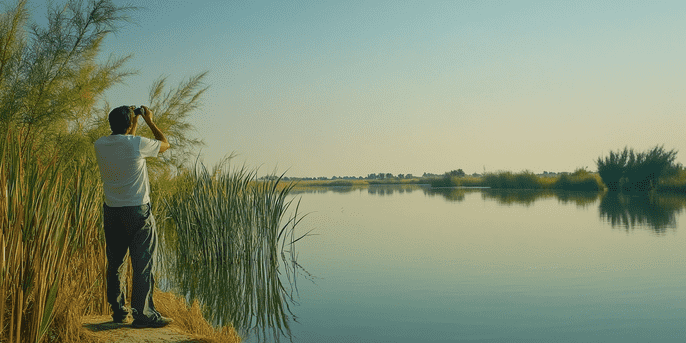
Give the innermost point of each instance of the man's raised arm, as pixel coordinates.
(155, 130)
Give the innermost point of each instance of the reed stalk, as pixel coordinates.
(223, 243)
(49, 223)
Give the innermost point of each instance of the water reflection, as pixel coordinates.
(656, 211)
(546, 260)
(516, 197)
(450, 194)
(580, 199)
(323, 190)
(519, 197)
(381, 190)
(390, 190)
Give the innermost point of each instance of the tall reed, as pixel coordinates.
(49, 215)
(224, 240)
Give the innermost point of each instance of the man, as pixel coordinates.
(128, 223)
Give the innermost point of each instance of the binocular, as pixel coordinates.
(139, 111)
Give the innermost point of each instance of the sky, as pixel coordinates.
(349, 88)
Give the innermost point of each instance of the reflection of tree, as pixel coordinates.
(528, 197)
(581, 199)
(509, 197)
(390, 189)
(379, 190)
(324, 189)
(342, 189)
(645, 209)
(371, 189)
(450, 194)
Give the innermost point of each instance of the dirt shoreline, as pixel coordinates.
(101, 328)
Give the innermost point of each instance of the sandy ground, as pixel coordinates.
(101, 328)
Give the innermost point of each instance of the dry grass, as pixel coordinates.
(190, 319)
(52, 250)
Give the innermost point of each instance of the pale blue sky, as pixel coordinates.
(325, 88)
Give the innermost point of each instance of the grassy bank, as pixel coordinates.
(54, 262)
(53, 249)
(674, 184)
(580, 180)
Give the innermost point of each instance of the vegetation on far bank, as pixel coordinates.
(626, 171)
(352, 182)
(629, 171)
(579, 180)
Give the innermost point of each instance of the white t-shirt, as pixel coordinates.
(123, 170)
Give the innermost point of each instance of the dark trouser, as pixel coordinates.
(131, 228)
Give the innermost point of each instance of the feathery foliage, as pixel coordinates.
(172, 108)
(49, 80)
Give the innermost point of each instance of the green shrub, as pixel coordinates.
(674, 184)
(629, 171)
(611, 169)
(578, 181)
(445, 181)
(508, 180)
(644, 169)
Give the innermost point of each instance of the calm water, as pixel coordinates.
(392, 264)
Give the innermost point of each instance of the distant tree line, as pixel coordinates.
(623, 170)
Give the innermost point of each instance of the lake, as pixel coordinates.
(410, 264)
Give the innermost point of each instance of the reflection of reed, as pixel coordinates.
(520, 197)
(325, 189)
(383, 190)
(374, 189)
(580, 199)
(643, 209)
(450, 194)
(226, 240)
(528, 197)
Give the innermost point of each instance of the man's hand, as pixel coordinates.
(147, 115)
(134, 122)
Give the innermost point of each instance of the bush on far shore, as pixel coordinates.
(630, 171)
(674, 184)
(580, 180)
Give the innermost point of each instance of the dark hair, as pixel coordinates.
(120, 119)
